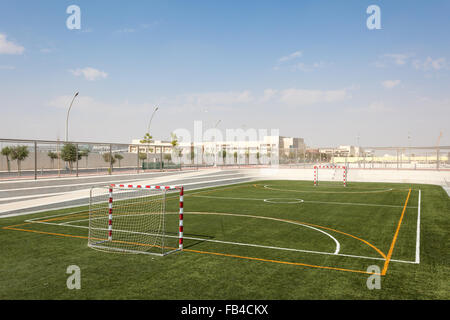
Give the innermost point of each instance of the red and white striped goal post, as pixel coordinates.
(316, 173)
(132, 186)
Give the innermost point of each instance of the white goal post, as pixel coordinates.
(335, 176)
(135, 219)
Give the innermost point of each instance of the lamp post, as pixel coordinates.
(151, 118)
(67, 119)
(148, 132)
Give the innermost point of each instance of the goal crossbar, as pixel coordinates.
(126, 202)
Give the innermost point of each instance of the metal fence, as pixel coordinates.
(35, 159)
(412, 158)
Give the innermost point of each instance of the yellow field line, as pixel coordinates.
(195, 251)
(278, 261)
(391, 249)
(344, 233)
(45, 232)
(243, 257)
(68, 216)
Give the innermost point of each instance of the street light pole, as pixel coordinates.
(151, 118)
(67, 119)
(148, 132)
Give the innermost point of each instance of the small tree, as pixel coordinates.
(69, 154)
(192, 154)
(235, 155)
(176, 151)
(118, 157)
(52, 155)
(108, 159)
(6, 151)
(19, 153)
(224, 156)
(167, 157)
(147, 140)
(84, 153)
(142, 156)
(258, 155)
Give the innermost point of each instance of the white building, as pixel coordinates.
(269, 147)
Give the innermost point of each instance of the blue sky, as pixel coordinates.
(311, 69)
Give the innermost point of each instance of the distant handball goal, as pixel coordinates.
(136, 219)
(335, 174)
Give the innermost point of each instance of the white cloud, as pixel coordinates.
(211, 99)
(305, 68)
(126, 30)
(89, 73)
(297, 66)
(398, 58)
(5, 67)
(8, 47)
(296, 54)
(307, 97)
(46, 50)
(268, 95)
(430, 64)
(236, 100)
(373, 107)
(389, 84)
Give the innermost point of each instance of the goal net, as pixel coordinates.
(331, 173)
(136, 219)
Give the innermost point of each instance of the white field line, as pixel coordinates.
(307, 201)
(227, 186)
(69, 224)
(338, 246)
(193, 194)
(418, 231)
(310, 191)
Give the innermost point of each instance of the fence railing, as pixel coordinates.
(21, 158)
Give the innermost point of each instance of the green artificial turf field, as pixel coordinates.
(259, 240)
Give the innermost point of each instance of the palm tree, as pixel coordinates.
(147, 139)
(6, 151)
(109, 159)
(19, 153)
(176, 151)
(118, 157)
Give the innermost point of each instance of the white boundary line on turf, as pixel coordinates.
(306, 201)
(225, 186)
(267, 186)
(418, 230)
(69, 224)
(338, 245)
